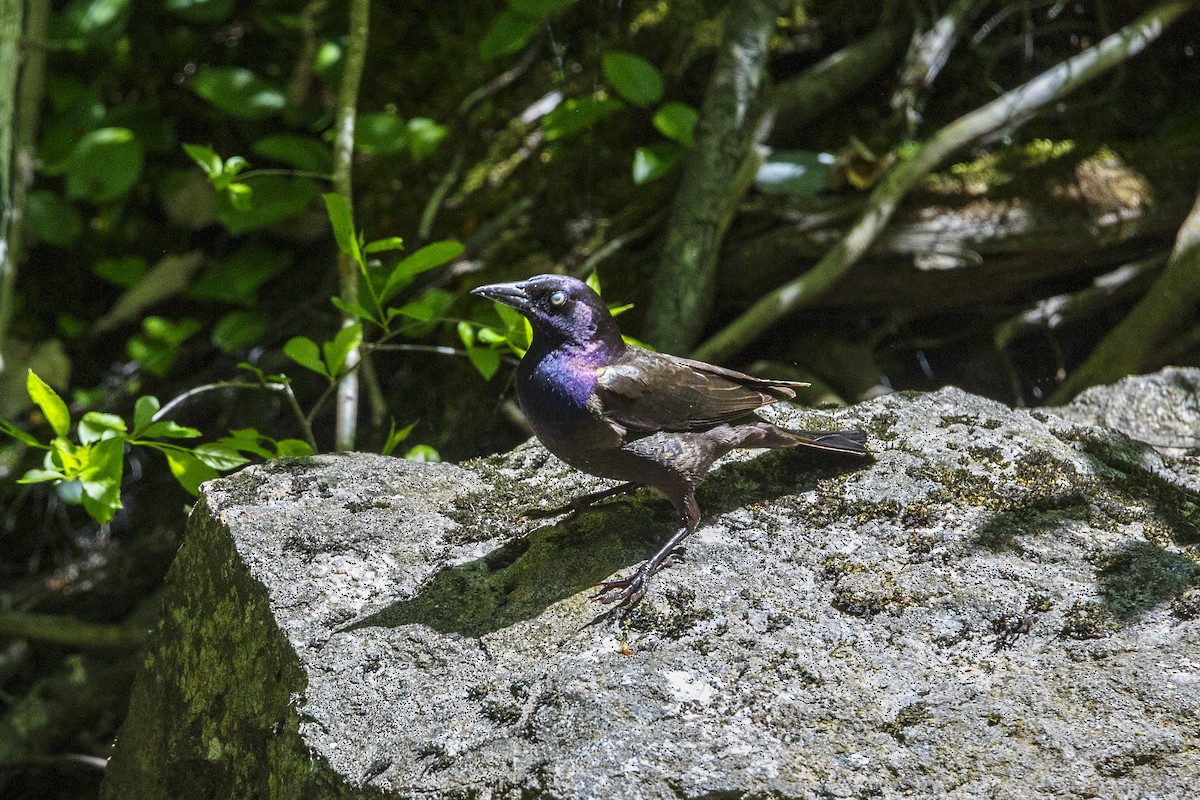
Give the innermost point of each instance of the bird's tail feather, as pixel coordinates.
(768, 435)
(847, 441)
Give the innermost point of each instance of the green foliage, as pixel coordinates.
(634, 78)
(52, 219)
(655, 160)
(91, 466)
(200, 10)
(238, 91)
(677, 122)
(640, 84)
(797, 172)
(509, 33)
(222, 174)
(124, 272)
(104, 165)
(296, 150)
(380, 133)
(517, 24)
(578, 114)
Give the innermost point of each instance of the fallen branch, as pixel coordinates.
(1007, 110)
(1165, 310)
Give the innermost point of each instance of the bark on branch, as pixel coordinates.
(346, 405)
(1167, 309)
(715, 176)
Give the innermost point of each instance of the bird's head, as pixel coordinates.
(559, 308)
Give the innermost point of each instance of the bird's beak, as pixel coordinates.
(510, 294)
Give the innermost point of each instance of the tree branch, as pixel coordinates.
(715, 176)
(1166, 309)
(1006, 110)
(346, 407)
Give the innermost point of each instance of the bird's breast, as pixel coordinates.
(554, 393)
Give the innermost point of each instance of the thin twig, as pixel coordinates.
(270, 386)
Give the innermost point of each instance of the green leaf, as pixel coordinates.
(424, 135)
(634, 78)
(52, 219)
(41, 476)
(655, 161)
(84, 23)
(578, 114)
(95, 425)
(593, 282)
(124, 271)
(795, 172)
(425, 259)
(238, 91)
(302, 152)
(423, 452)
(66, 456)
(490, 336)
(537, 9)
(275, 198)
(246, 440)
(485, 360)
(104, 165)
(379, 133)
(189, 470)
(200, 10)
(677, 121)
(430, 306)
(508, 34)
(220, 457)
(292, 447)
(355, 310)
(206, 158)
(304, 351)
(341, 217)
(384, 245)
(52, 406)
(157, 346)
(239, 329)
(466, 333)
(395, 437)
(238, 278)
(101, 479)
(143, 412)
(166, 429)
(18, 434)
(336, 350)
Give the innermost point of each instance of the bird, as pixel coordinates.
(621, 411)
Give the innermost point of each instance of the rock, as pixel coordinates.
(1162, 409)
(1003, 604)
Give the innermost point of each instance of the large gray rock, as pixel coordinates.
(1003, 605)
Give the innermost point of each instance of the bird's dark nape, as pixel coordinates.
(620, 411)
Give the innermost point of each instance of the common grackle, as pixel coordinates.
(619, 411)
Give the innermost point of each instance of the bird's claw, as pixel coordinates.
(629, 591)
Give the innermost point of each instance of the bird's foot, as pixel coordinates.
(579, 504)
(628, 592)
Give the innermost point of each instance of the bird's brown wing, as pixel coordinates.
(645, 392)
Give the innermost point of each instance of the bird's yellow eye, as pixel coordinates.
(558, 298)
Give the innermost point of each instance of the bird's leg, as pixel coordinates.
(582, 502)
(633, 588)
